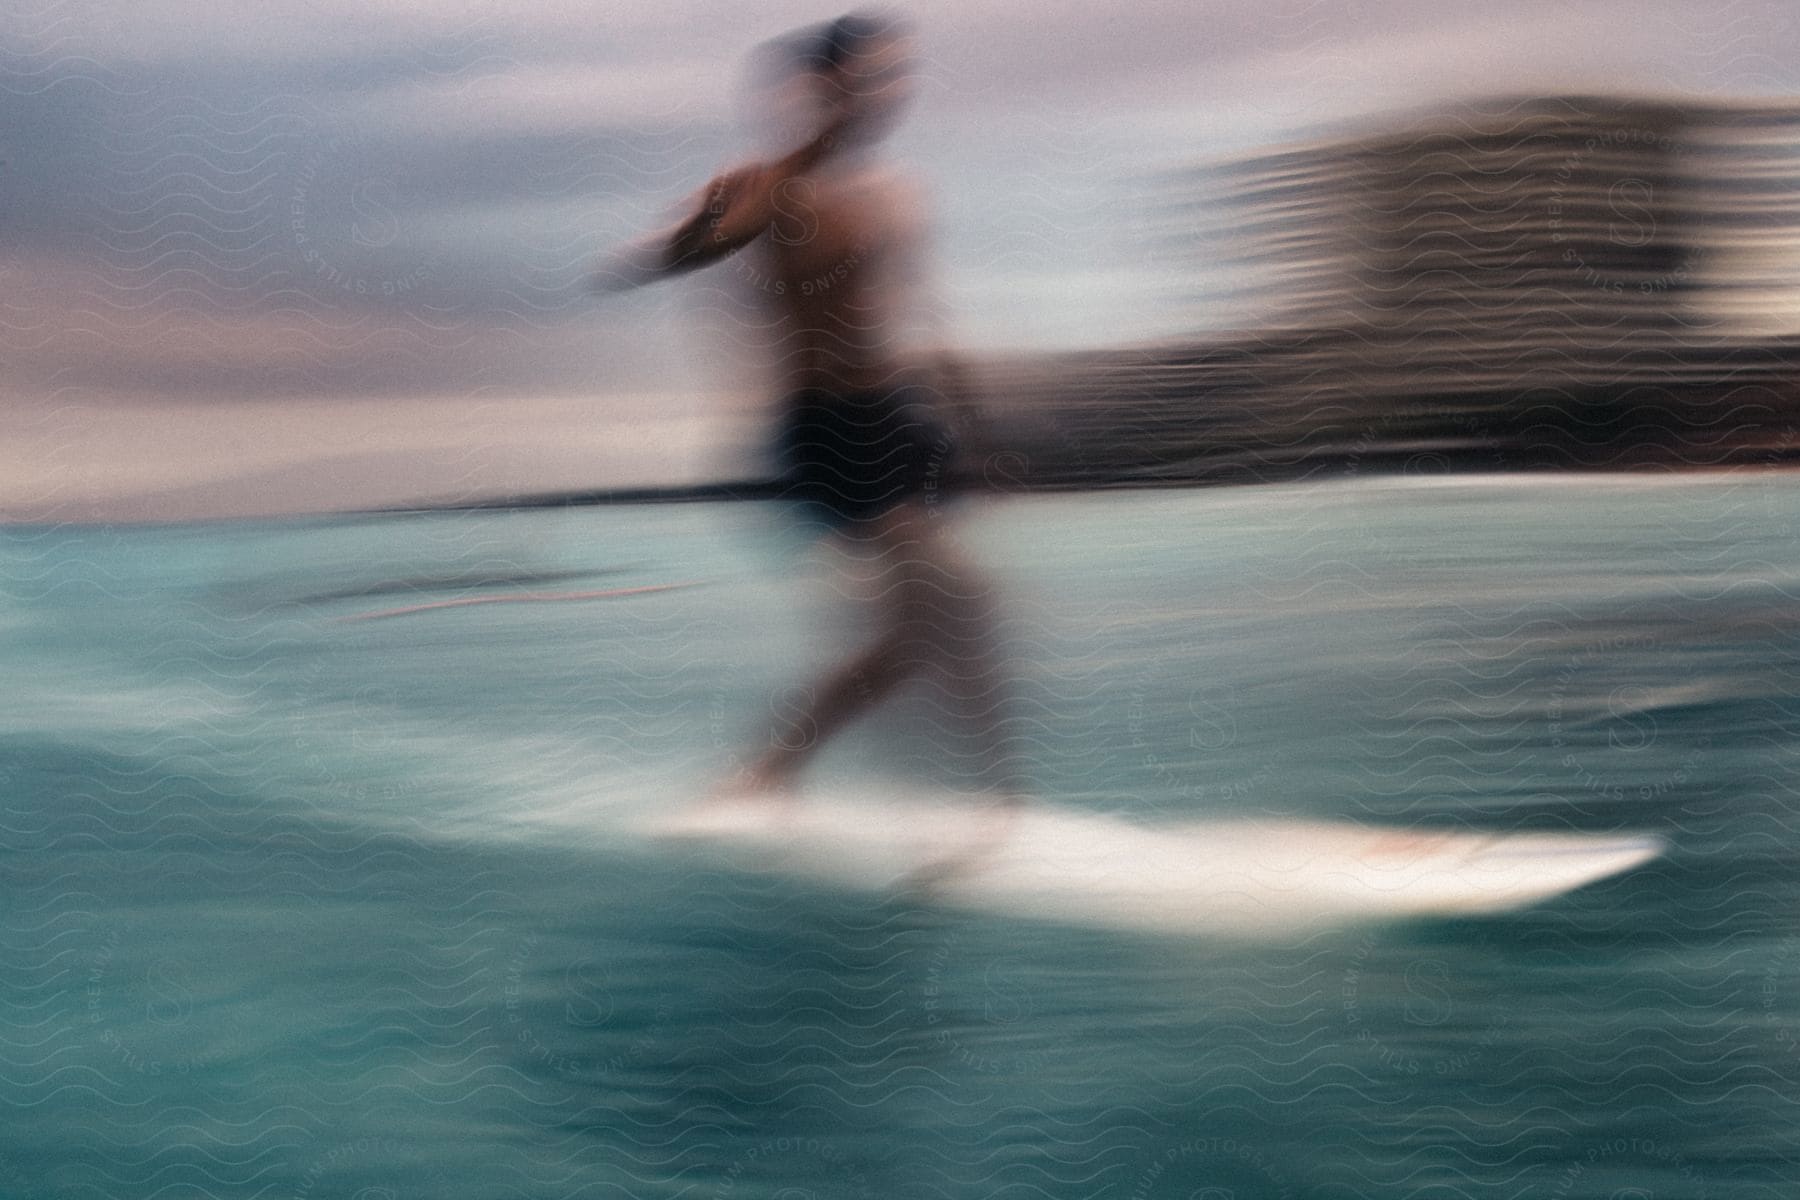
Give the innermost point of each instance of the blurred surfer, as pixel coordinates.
(864, 452)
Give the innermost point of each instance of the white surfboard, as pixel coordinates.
(1224, 878)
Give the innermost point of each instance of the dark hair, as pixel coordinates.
(830, 46)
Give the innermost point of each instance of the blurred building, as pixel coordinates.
(1574, 281)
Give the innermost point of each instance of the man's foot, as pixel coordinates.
(996, 825)
(759, 781)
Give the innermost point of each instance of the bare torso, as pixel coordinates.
(836, 259)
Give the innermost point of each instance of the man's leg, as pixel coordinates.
(902, 647)
(845, 694)
(937, 614)
(974, 674)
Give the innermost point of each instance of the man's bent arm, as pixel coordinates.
(734, 209)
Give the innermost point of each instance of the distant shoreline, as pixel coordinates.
(768, 490)
(1349, 469)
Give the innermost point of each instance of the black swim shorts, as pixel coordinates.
(848, 457)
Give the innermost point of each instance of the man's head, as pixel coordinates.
(858, 69)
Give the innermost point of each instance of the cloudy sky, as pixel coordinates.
(326, 253)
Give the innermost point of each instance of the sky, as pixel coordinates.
(319, 254)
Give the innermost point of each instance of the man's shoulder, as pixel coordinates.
(897, 187)
(891, 199)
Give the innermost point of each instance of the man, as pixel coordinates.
(864, 455)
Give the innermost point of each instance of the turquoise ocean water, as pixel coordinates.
(296, 906)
